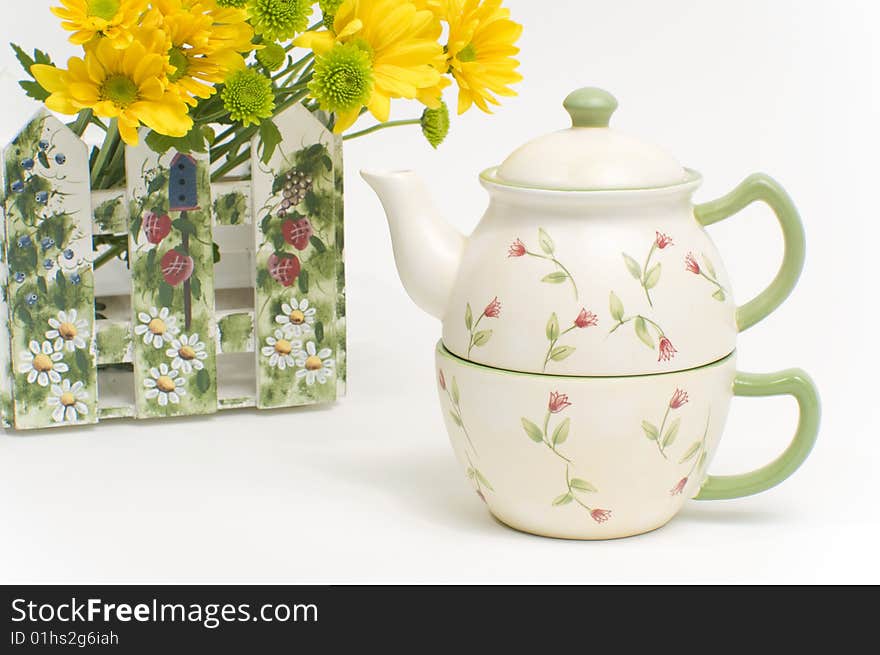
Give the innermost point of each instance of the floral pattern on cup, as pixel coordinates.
(648, 276)
(473, 473)
(662, 436)
(479, 338)
(707, 270)
(557, 353)
(641, 325)
(575, 487)
(697, 454)
(559, 276)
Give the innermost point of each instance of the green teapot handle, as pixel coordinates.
(760, 187)
(792, 382)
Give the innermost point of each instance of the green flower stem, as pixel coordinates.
(473, 332)
(553, 345)
(467, 435)
(644, 279)
(571, 491)
(624, 321)
(110, 254)
(712, 280)
(381, 126)
(702, 446)
(660, 434)
(295, 67)
(547, 439)
(111, 141)
(82, 122)
(559, 264)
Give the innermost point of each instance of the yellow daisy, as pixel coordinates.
(128, 85)
(199, 54)
(401, 40)
(111, 19)
(481, 51)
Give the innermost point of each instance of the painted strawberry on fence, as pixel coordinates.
(284, 268)
(297, 233)
(176, 267)
(156, 227)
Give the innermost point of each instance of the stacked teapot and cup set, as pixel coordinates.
(588, 356)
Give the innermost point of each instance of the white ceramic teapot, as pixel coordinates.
(590, 313)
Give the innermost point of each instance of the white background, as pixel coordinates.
(368, 490)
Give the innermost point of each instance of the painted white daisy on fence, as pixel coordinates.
(158, 327)
(187, 353)
(165, 385)
(315, 365)
(297, 318)
(280, 351)
(67, 399)
(42, 363)
(68, 331)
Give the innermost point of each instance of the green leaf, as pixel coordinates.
(471, 473)
(468, 317)
(23, 57)
(184, 225)
(319, 331)
(43, 158)
(691, 452)
(535, 433)
(707, 264)
(203, 381)
(616, 307)
(166, 294)
(561, 352)
(318, 244)
(702, 461)
(651, 430)
(555, 278)
(303, 281)
(719, 295)
(82, 361)
(195, 287)
(642, 332)
(653, 276)
(136, 227)
(671, 433)
(546, 242)
(270, 137)
(553, 328)
(41, 285)
(564, 499)
(483, 480)
(456, 396)
(216, 253)
(151, 259)
(34, 90)
(455, 418)
(560, 434)
(25, 317)
(192, 141)
(633, 266)
(482, 337)
(582, 485)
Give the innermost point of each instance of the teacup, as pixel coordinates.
(606, 457)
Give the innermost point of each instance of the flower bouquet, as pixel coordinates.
(209, 114)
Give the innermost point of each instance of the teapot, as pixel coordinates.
(588, 353)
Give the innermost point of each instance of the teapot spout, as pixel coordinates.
(427, 249)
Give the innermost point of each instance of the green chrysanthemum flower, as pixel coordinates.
(233, 4)
(342, 79)
(435, 124)
(329, 9)
(279, 20)
(272, 56)
(248, 96)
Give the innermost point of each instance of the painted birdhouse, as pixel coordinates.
(182, 184)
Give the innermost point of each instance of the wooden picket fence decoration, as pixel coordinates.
(170, 334)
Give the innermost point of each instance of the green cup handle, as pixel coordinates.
(792, 382)
(763, 188)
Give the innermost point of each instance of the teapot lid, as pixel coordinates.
(590, 156)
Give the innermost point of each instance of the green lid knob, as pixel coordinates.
(590, 107)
